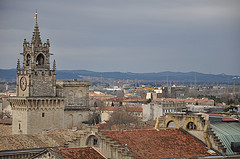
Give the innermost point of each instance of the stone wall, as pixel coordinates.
(76, 108)
(75, 92)
(73, 118)
(152, 111)
(40, 83)
(44, 84)
(19, 122)
(35, 115)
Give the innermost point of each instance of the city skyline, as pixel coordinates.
(127, 36)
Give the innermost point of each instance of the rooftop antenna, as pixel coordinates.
(195, 79)
(35, 17)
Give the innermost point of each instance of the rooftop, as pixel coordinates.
(82, 152)
(162, 143)
(127, 99)
(227, 132)
(187, 100)
(51, 139)
(129, 109)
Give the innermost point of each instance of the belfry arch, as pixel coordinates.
(40, 60)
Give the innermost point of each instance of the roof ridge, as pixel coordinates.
(99, 152)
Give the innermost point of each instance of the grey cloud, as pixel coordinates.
(136, 35)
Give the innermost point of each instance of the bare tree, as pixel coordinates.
(121, 117)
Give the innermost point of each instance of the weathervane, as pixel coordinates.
(35, 17)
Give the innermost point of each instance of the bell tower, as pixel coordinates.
(36, 108)
(35, 78)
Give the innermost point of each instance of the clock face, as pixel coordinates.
(23, 83)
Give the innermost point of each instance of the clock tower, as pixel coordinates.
(35, 79)
(36, 108)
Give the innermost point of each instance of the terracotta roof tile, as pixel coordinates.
(127, 99)
(109, 108)
(132, 109)
(211, 114)
(82, 152)
(188, 100)
(129, 109)
(162, 143)
(52, 139)
(229, 119)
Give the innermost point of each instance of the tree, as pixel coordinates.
(230, 101)
(94, 118)
(121, 116)
(148, 101)
(230, 108)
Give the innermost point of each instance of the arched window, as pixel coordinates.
(92, 141)
(70, 121)
(191, 126)
(40, 60)
(171, 124)
(28, 59)
(80, 116)
(71, 98)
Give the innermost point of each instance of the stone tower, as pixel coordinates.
(36, 108)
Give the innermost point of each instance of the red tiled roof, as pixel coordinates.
(109, 108)
(229, 119)
(127, 99)
(100, 95)
(82, 152)
(129, 109)
(6, 121)
(211, 114)
(102, 125)
(132, 109)
(188, 100)
(133, 105)
(162, 143)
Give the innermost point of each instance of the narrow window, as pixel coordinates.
(95, 141)
(19, 126)
(43, 114)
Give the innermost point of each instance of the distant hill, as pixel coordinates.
(10, 74)
(7, 74)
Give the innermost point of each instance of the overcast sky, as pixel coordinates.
(127, 35)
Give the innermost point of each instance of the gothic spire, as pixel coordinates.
(54, 65)
(36, 39)
(18, 65)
